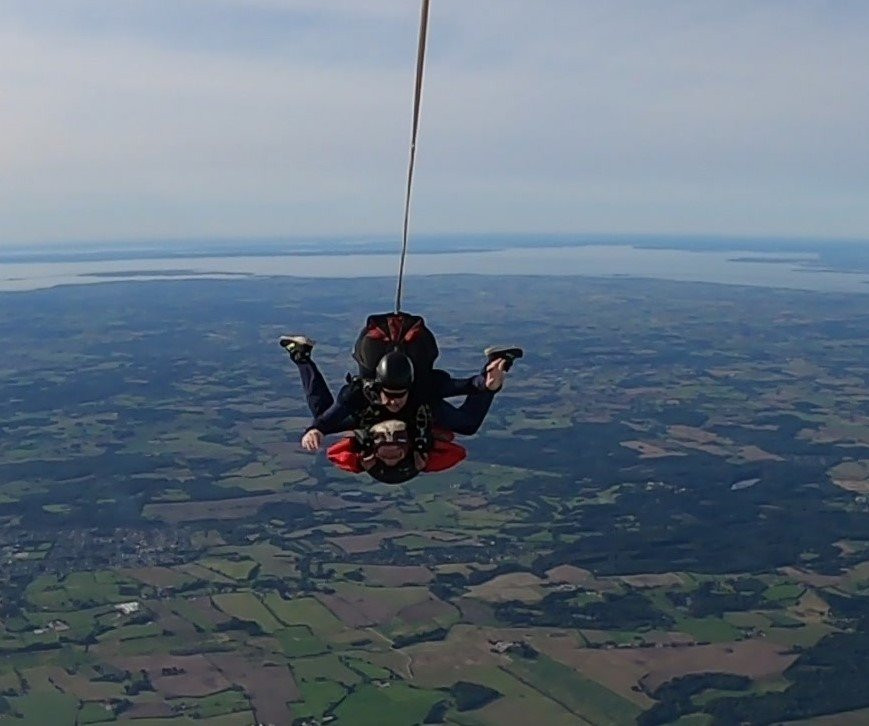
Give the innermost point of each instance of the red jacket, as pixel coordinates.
(442, 455)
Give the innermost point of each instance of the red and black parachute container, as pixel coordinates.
(400, 331)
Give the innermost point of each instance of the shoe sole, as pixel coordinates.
(502, 351)
(285, 340)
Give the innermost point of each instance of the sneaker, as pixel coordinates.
(508, 353)
(298, 346)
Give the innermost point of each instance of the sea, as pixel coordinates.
(819, 267)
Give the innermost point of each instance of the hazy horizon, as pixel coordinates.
(295, 243)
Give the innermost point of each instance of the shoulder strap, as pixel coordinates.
(422, 424)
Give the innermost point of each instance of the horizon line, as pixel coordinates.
(130, 243)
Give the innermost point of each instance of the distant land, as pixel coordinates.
(822, 266)
(833, 254)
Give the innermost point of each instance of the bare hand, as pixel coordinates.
(312, 440)
(495, 374)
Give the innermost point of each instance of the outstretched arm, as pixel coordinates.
(467, 418)
(443, 385)
(489, 380)
(335, 419)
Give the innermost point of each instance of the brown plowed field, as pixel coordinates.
(360, 608)
(270, 686)
(204, 609)
(811, 578)
(619, 669)
(169, 621)
(666, 579)
(355, 543)
(522, 586)
(437, 664)
(579, 576)
(426, 612)
(649, 451)
(393, 576)
(153, 709)
(199, 677)
(82, 687)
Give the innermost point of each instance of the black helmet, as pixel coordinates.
(395, 371)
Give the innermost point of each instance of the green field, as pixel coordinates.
(330, 667)
(393, 704)
(318, 697)
(298, 641)
(709, 630)
(95, 713)
(235, 569)
(192, 614)
(803, 637)
(303, 610)
(521, 703)
(45, 707)
(246, 606)
(80, 590)
(368, 670)
(589, 700)
(132, 632)
(217, 704)
(783, 592)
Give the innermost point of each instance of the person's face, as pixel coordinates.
(391, 442)
(390, 455)
(393, 401)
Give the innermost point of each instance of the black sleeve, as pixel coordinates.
(443, 385)
(340, 415)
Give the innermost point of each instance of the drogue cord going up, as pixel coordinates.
(417, 98)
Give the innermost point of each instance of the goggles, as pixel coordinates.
(390, 433)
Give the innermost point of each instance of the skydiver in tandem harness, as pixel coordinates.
(395, 406)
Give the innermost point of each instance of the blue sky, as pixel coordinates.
(139, 119)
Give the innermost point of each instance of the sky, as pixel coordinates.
(130, 120)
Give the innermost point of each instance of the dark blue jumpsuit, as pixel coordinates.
(333, 416)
